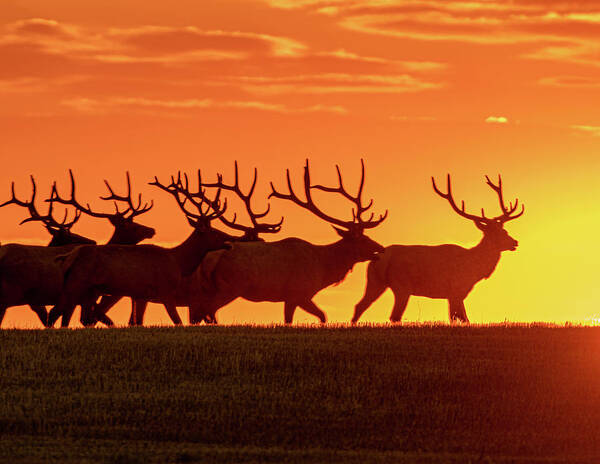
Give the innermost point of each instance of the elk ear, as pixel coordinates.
(341, 232)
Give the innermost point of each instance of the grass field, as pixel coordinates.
(425, 394)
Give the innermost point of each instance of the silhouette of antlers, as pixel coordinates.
(357, 223)
(256, 227)
(208, 209)
(48, 218)
(130, 212)
(502, 218)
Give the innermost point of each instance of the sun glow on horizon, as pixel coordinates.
(417, 90)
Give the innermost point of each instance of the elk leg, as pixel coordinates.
(104, 319)
(205, 308)
(457, 312)
(66, 316)
(373, 291)
(312, 308)
(400, 302)
(87, 317)
(41, 312)
(288, 311)
(105, 303)
(138, 311)
(2, 313)
(173, 314)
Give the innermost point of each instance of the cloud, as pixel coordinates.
(114, 104)
(570, 81)
(557, 30)
(590, 130)
(144, 44)
(332, 83)
(496, 120)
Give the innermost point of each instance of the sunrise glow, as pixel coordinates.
(415, 88)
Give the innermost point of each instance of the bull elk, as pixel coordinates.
(291, 270)
(250, 233)
(126, 230)
(28, 274)
(142, 272)
(444, 271)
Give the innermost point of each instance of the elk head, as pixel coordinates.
(352, 232)
(127, 231)
(251, 233)
(207, 210)
(492, 228)
(60, 231)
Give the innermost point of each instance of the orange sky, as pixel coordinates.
(416, 88)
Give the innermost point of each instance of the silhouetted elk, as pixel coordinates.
(142, 272)
(251, 233)
(28, 273)
(126, 230)
(291, 270)
(443, 271)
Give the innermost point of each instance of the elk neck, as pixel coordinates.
(485, 257)
(339, 259)
(120, 238)
(192, 251)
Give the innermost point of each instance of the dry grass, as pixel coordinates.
(424, 393)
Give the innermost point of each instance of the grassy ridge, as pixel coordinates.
(250, 394)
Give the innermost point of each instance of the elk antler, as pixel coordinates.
(48, 218)
(131, 208)
(85, 209)
(256, 227)
(357, 222)
(506, 212)
(213, 209)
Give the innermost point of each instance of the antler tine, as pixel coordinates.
(247, 200)
(309, 203)
(131, 209)
(450, 198)
(357, 200)
(73, 201)
(177, 189)
(30, 205)
(506, 212)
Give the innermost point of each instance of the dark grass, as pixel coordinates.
(277, 394)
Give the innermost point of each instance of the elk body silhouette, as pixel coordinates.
(445, 271)
(33, 274)
(189, 285)
(142, 272)
(291, 270)
(28, 273)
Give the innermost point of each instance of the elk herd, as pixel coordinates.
(211, 268)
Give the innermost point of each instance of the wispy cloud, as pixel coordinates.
(590, 130)
(144, 44)
(333, 83)
(115, 104)
(557, 30)
(570, 81)
(496, 120)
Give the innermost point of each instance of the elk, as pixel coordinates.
(126, 230)
(28, 274)
(291, 270)
(251, 233)
(142, 272)
(444, 271)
